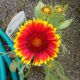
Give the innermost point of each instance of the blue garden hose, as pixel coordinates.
(2, 65)
(2, 69)
(9, 42)
(6, 58)
(6, 38)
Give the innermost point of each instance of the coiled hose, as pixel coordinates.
(6, 58)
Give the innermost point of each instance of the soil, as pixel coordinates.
(71, 35)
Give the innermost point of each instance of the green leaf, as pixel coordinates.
(65, 24)
(65, 8)
(50, 72)
(64, 49)
(59, 70)
(14, 66)
(50, 76)
(37, 9)
(21, 70)
(21, 74)
(55, 71)
(56, 20)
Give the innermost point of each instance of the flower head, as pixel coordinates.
(59, 9)
(36, 42)
(46, 10)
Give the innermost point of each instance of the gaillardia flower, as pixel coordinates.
(36, 42)
(59, 9)
(46, 10)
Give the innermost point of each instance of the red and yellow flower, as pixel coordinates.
(37, 42)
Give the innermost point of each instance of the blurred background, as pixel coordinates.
(71, 35)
